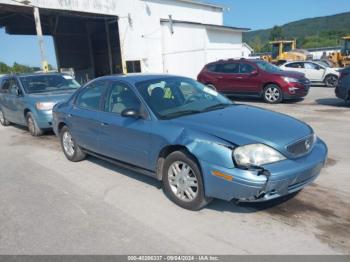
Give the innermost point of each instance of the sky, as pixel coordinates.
(254, 14)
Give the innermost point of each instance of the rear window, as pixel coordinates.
(211, 68)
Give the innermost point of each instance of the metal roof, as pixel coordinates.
(200, 3)
(206, 25)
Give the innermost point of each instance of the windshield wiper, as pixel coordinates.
(181, 113)
(217, 106)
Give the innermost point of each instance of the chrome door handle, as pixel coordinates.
(69, 115)
(104, 124)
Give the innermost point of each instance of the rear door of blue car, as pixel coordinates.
(84, 117)
(124, 138)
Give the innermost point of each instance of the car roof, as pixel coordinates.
(253, 60)
(137, 77)
(32, 74)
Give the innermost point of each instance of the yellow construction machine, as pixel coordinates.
(285, 50)
(342, 58)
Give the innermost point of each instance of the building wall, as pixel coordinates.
(223, 44)
(190, 47)
(142, 37)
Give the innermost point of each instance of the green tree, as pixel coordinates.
(4, 68)
(276, 33)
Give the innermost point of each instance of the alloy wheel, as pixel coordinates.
(183, 181)
(68, 144)
(331, 81)
(272, 94)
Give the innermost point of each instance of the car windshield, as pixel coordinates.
(268, 67)
(48, 83)
(173, 97)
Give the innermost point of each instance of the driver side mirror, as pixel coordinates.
(132, 113)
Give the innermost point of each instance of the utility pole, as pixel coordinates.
(39, 32)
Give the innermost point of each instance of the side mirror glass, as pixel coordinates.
(129, 112)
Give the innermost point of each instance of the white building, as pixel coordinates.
(247, 50)
(170, 36)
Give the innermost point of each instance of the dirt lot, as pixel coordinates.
(51, 206)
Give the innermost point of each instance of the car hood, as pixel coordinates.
(51, 96)
(294, 74)
(241, 125)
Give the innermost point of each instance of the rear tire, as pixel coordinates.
(183, 182)
(71, 150)
(272, 94)
(3, 120)
(331, 81)
(33, 127)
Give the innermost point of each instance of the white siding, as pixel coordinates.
(192, 46)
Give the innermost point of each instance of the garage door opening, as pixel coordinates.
(87, 43)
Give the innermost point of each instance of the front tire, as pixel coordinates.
(272, 94)
(331, 81)
(71, 150)
(3, 120)
(183, 182)
(33, 127)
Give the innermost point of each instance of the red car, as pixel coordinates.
(254, 78)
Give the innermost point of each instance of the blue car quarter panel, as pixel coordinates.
(286, 177)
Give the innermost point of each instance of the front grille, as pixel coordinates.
(302, 146)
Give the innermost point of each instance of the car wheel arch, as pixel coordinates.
(26, 111)
(60, 126)
(167, 150)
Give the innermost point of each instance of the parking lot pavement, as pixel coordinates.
(52, 206)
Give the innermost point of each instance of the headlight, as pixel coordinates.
(256, 155)
(290, 79)
(45, 106)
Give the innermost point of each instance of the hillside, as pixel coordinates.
(312, 32)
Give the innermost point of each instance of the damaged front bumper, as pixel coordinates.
(272, 181)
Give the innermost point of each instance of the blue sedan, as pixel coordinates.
(28, 99)
(197, 142)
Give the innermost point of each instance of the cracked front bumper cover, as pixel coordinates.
(283, 178)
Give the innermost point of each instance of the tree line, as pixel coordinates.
(19, 68)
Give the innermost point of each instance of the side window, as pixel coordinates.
(13, 87)
(295, 65)
(231, 68)
(90, 97)
(5, 86)
(246, 68)
(121, 97)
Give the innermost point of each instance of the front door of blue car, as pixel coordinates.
(12, 103)
(84, 117)
(124, 138)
